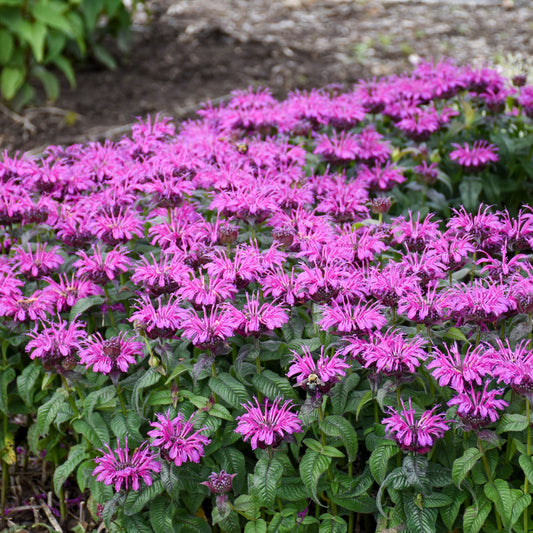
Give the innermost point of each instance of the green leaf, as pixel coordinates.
(339, 427)
(455, 334)
(312, 466)
(379, 460)
(273, 386)
(499, 492)
(161, 515)
(520, 504)
(363, 503)
(170, 479)
(7, 45)
(11, 80)
(229, 389)
(137, 499)
(341, 391)
(148, 379)
(136, 524)
(96, 432)
(259, 526)
(527, 466)
(283, 522)
(98, 398)
(221, 412)
(470, 189)
(364, 400)
(436, 499)
(63, 64)
(48, 411)
(49, 81)
(102, 55)
(450, 512)
(91, 9)
(267, 478)
(292, 489)
(83, 304)
(512, 422)
(462, 465)
(474, 516)
(176, 371)
(332, 524)
(419, 519)
(77, 454)
(7, 377)
(247, 505)
(50, 13)
(27, 382)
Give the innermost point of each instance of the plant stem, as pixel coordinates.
(70, 398)
(489, 477)
(528, 451)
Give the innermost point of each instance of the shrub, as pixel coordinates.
(255, 323)
(38, 38)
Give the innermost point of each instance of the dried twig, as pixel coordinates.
(19, 119)
(51, 518)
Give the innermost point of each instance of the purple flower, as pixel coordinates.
(110, 355)
(415, 435)
(38, 262)
(66, 292)
(177, 439)
(120, 468)
(345, 317)
(101, 267)
(115, 228)
(318, 376)
(514, 366)
(162, 321)
(162, 276)
(392, 354)
(57, 344)
(267, 424)
(478, 408)
(257, 317)
(219, 483)
(475, 158)
(456, 370)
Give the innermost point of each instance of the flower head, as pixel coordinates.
(476, 157)
(177, 438)
(219, 483)
(267, 424)
(120, 468)
(415, 435)
(478, 408)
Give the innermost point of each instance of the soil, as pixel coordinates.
(186, 52)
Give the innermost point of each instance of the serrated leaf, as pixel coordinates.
(229, 389)
(84, 474)
(283, 522)
(363, 503)
(7, 377)
(221, 412)
(266, 480)
(436, 499)
(312, 466)
(450, 512)
(247, 505)
(98, 397)
(500, 494)
(469, 190)
(332, 524)
(83, 304)
(512, 422)
(7, 45)
(170, 479)
(273, 386)
(64, 65)
(48, 411)
(259, 526)
(379, 460)
(520, 504)
(339, 395)
(367, 397)
(292, 489)
(419, 519)
(527, 466)
(27, 381)
(339, 427)
(136, 524)
(51, 13)
(474, 517)
(161, 515)
(462, 465)
(96, 432)
(137, 499)
(148, 379)
(77, 454)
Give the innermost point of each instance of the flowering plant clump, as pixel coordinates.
(304, 315)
